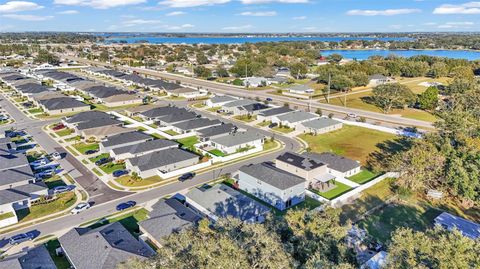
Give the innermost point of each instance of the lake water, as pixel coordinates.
(364, 54)
(239, 40)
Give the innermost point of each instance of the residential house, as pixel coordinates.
(301, 165)
(451, 222)
(338, 166)
(104, 247)
(266, 115)
(102, 132)
(194, 125)
(208, 133)
(134, 111)
(256, 82)
(34, 258)
(235, 107)
(163, 161)
(219, 100)
(187, 93)
(319, 126)
(172, 119)
(294, 118)
(379, 79)
(234, 142)
(301, 89)
(140, 149)
(221, 201)
(86, 128)
(123, 139)
(61, 105)
(155, 113)
(271, 184)
(168, 216)
(251, 109)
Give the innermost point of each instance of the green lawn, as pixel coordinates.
(6, 215)
(129, 221)
(75, 138)
(60, 261)
(364, 176)
(54, 181)
(188, 142)
(64, 132)
(350, 141)
(334, 193)
(128, 181)
(96, 158)
(246, 118)
(64, 201)
(198, 105)
(110, 167)
(264, 123)
(95, 170)
(269, 144)
(217, 152)
(283, 129)
(35, 110)
(171, 132)
(214, 109)
(83, 147)
(157, 136)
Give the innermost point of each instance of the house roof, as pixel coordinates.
(238, 138)
(32, 88)
(35, 258)
(8, 161)
(87, 116)
(320, 123)
(300, 88)
(221, 99)
(47, 95)
(377, 76)
(122, 97)
(334, 161)
(14, 175)
(241, 102)
(123, 138)
(100, 122)
(161, 158)
(104, 247)
(104, 131)
(100, 91)
(179, 116)
(297, 116)
(300, 160)
(466, 227)
(224, 201)
(275, 111)
(162, 111)
(167, 217)
(216, 130)
(9, 196)
(62, 103)
(141, 108)
(31, 188)
(196, 123)
(271, 175)
(152, 145)
(255, 107)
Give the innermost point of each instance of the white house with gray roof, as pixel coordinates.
(140, 149)
(34, 258)
(319, 126)
(266, 115)
(294, 118)
(123, 140)
(193, 125)
(163, 161)
(221, 201)
(451, 222)
(102, 248)
(234, 142)
(301, 89)
(272, 185)
(219, 100)
(233, 107)
(338, 165)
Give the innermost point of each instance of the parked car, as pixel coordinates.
(80, 207)
(56, 156)
(126, 205)
(186, 176)
(20, 238)
(58, 127)
(45, 174)
(103, 161)
(269, 99)
(91, 151)
(119, 173)
(272, 125)
(60, 189)
(40, 162)
(352, 115)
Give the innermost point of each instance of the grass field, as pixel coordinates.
(35, 110)
(6, 215)
(83, 147)
(110, 167)
(64, 201)
(64, 132)
(171, 132)
(363, 177)
(283, 129)
(334, 193)
(129, 221)
(264, 123)
(60, 261)
(245, 118)
(96, 158)
(217, 152)
(157, 136)
(350, 141)
(128, 181)
(188, 142)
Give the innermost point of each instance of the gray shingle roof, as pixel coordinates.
(162, 111)
(224, 201)
(275, 111)
(161, 158)
(167, 217)
(88, 116)
(297, 116)
(100, 122)
(196, 123)
(12, 160)
(216, 130)
(466, 227)
(300, 160)
(102, 248)
(335, 162)
(272, 175)
(31, 188)
(242, 102)
(124, 138)
(62, 103)
(151, 145)
(300, 87)
(178, 116)
(17, 174)
(221, 98)
(320, 123)
(238, 138)
(9, 196)
(103, 91)
(35, 258)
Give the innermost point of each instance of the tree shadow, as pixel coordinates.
(386, 149)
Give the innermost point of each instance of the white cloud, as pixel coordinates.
(176, 13)
(191, 3)
(456, 24)
(236, 28)
(99, 4)
(135, 22)
(17, 6)
(274, 1)
(180, 27)
(259, 14)
(27, 17)
(466, 8)
(68, 12)
(299, 18)
(385, 12)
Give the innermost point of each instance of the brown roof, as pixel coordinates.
(142, 108)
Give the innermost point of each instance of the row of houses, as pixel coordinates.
(169, 88)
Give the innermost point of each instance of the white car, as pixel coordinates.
(40, 162)
(352, 115)
(56, 156)
(80, 207)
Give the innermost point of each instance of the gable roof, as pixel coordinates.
(35, 258)
(103, 248)
(62, 103)
(334, 161)
(238, 138)
(8, 161)
(100, 122)
(9, 196)
(87, 116)
(124, 138)
(275, 111)
(216, 130)
(272, 176)
(167, 217)
(162, 111)
(320, 123)
(179, 116)
(16, 174)
(300, 160)
(222, 98)
(297, 116)
(151, 145)
(196, 123)
(161, 158)
(241, 102)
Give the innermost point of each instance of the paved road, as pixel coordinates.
(238, 91)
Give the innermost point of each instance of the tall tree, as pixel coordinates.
(428, 100)
(389, 96)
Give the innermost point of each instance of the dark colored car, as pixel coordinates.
(126, 205)
(91, 151)
(58, 127)
(186, 176)
(20, 238)
(272, 125)
(102, 161)
(119, 173)
(269, 99)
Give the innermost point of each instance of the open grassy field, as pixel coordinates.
(245, 118)
(350, 141)
(171, 132)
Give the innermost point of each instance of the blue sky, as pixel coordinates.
(240, 15)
